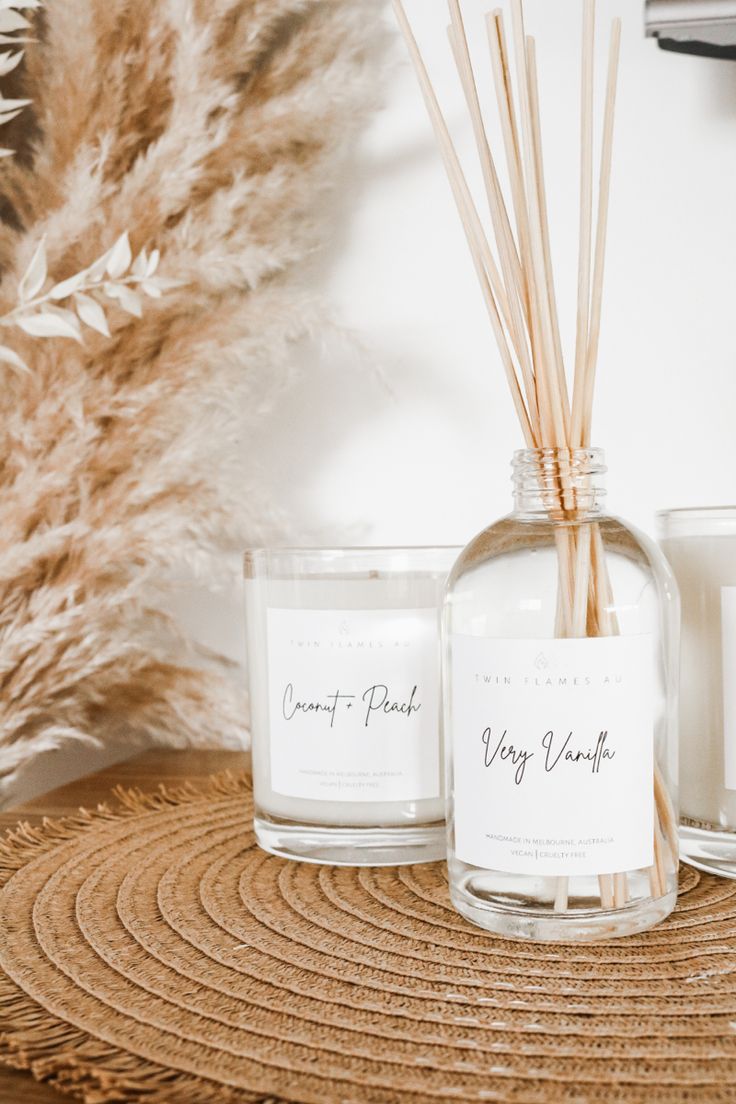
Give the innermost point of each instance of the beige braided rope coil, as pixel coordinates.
(152, 953)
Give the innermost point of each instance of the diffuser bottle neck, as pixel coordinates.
(566, 485)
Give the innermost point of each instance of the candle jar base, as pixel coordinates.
(710, 849)
(509, 906)
(350, 846)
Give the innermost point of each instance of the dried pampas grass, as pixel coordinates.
(213, 132)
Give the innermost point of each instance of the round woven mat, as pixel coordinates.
(155, 954)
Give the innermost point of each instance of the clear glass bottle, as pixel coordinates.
(560, 630)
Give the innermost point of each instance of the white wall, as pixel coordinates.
(430, 462)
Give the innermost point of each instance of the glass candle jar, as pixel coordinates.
(561, 628)
(701, 547)
(344, 671)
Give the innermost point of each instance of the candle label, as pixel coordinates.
(354, 704)
(553, 754)
(728, 640)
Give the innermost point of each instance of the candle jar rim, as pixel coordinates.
(333, 549)
(311, 560)
(696, 511)
(696, 521)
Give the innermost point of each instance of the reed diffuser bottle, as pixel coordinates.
(560, 675)
(561, 623)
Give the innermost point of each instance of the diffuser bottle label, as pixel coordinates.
(728, 634)
(553, 754)
(354, 704)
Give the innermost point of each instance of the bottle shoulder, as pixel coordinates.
(520, 538)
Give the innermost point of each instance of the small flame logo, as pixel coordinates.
(541, 662)
(344, 628)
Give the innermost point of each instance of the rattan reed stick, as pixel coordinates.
(550, 400)
(507, 112)
(602, 231)
(509, 257)
(494, 293)
(536, 128)
(586, 222)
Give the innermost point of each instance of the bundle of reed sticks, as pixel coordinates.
(518, 287)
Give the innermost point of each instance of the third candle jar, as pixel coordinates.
(700, 544)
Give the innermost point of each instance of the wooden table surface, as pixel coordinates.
(144, 771)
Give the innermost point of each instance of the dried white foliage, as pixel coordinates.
(114, 276)
(217, 130)
(36, 313)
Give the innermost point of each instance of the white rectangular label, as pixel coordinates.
(354, 704)
(553, 754)
(728, 641)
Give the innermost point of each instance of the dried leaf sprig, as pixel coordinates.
(115, 276)
(12, 23)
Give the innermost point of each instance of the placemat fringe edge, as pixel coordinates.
(25, 842)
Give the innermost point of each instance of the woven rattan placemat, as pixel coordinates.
(155, 954)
